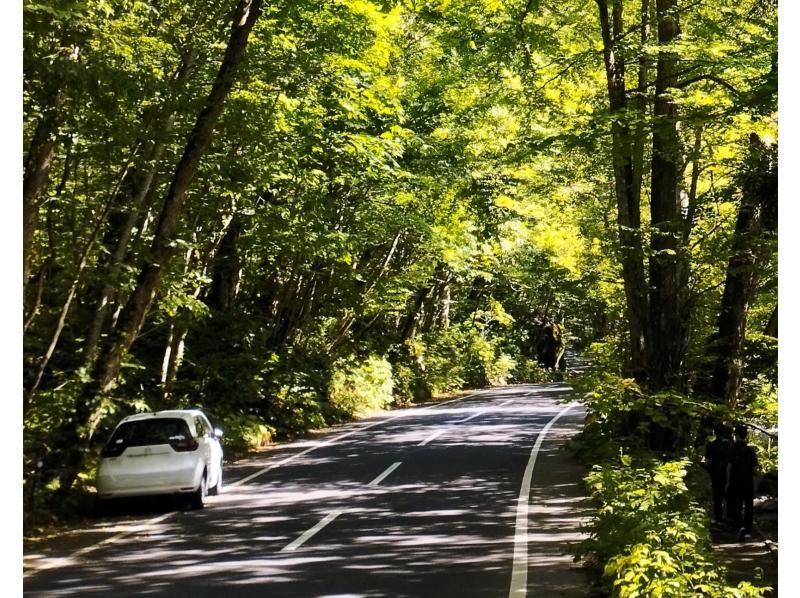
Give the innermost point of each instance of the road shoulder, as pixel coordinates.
(559, 507)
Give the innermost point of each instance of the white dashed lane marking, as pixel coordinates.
(385, 474)
(311, 532)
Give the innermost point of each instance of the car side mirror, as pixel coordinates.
(218, 432)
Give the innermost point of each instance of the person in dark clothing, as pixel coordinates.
(742, 470)
(546, 347)
(717, 458)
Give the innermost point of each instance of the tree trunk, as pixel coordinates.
(755, 222)
(684, 267)
(282, 308)
(226, 266)
(129, 209)
(386, 261)
(75, 435)
(84, 260)
(664, 359)
(409, 325)
(641, 102)
(37, 169)
(41, 280)
(161, 252)
(443, 314)
(436, 304)
(349, 318)
(771, 329)
(119, 243)
(627, 189)
(173, 357)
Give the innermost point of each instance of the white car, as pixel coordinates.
(168, 452)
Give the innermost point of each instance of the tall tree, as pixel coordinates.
(158, 123)
(421, 172)
(41, 153)
(756, 224)
(161, 251)
(627, 183)
(665, 347)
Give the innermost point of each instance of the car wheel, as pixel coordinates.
(199, 495)
(217, 488)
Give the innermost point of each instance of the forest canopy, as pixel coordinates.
(290, 213)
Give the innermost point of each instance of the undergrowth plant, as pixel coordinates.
(650, 532)
(358, 386)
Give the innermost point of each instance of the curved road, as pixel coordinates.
(465, 498)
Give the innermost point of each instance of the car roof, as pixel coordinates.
(171, 413)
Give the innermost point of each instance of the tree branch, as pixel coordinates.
(706, 77)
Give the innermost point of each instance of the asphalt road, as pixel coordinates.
(465, 498)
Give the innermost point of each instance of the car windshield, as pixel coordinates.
(150, 431)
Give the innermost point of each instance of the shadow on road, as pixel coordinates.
(441, 525)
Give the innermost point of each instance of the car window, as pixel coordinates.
(200, 427)
(145, 432)
(209, 427)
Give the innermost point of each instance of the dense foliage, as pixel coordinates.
(296, 212)
(650, 533)
(652, 536)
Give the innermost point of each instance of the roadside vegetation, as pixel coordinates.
(650, 534)
(294, 213)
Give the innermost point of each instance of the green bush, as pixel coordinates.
(607, 355)
(499, 370)
(357, 387)
(409, 383)
(651, 534)
(761, 397)
(610, 401)
(293, 410)
(529, 371)
(463, 356)
(450, 359)
(244, 433)
(443, 359)
(617, 408)
(650, 530)
(486, 362)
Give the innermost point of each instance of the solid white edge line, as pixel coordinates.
(385, 474)
(519, 572)
(311, 532)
